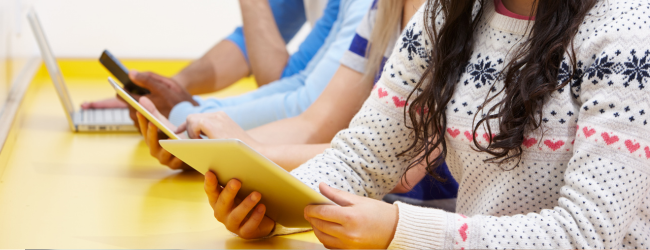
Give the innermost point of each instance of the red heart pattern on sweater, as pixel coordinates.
(647, 152)
(422, 110)
(469, 136)
(453, 133)
(463, 231)
(554, 145)
(588, 132)
(381, 93)
(529, 142)
(631, 146)
(398, 102)
(487, 137)
(609, 139)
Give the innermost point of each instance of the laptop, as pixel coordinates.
(90, 120)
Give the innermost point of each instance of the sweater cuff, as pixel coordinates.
(178, 114)
(419, 228)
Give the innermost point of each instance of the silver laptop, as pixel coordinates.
(83, 120)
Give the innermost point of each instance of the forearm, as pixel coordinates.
(267, 52)
(223, 65)
(329, 114)
(295, 130)
(290, 157)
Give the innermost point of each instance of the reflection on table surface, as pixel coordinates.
(60, 189)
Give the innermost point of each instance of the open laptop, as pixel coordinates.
(91, 120)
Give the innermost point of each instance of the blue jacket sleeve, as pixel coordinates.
(314, 41)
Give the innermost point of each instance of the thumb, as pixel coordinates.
(149, 106)
(144, 79)
(339, 197)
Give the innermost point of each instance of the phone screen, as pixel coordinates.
(121, 73)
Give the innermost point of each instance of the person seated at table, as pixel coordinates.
(260, 49)
(291, 142)
(544, 124)
(284, 98)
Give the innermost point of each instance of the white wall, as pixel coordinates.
(137, 28)
(16, 46)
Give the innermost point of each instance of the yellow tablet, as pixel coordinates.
(133, 103)
(284, 196)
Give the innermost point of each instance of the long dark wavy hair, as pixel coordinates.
(529, 77)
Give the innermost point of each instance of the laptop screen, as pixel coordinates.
(51, 64)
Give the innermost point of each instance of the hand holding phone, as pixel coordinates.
(121, 73)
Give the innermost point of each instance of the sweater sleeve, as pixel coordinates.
(605, 182)
(363, 158)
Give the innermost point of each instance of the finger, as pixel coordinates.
(141, 79)
(226, 199)
(86, 105)
(144, 79)
(176, 163)
(239, 213)
(151, 107)
(252, 225)
(339, 197)
(164, 157)
(211, 187)
(181, 128)
(330, 213)
(148, 80)
(194, 129)
(162, 135)
(152, 139)
(329, 228)
(104, 104)
(329, 241)
(163, 80)
(246, 206)
(186, 167)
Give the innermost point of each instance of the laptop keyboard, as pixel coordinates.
(104, 116)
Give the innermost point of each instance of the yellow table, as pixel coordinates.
(60, 189)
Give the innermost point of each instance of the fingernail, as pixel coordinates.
(255, 197)
(260, 209)
(234, 185)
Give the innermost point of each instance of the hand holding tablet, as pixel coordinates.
(284, 196)
(137, 106)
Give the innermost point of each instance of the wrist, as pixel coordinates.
(180, 80)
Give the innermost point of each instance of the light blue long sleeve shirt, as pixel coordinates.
(290, 96)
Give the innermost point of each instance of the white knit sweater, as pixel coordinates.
(582, 183)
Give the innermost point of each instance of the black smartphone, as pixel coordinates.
(121, 73)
